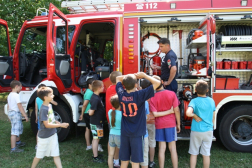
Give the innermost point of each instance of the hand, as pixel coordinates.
(140, 75)
(148, 117)
(153, 66)
(166, 83)
(81, 117)
(26, 119)
(36, 121)
(172, 111)
(64, 125)
(196, 118)
(178, 128)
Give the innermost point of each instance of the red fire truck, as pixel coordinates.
(211, 38)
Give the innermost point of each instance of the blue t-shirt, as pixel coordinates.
(204, 108)
(39, 103)
(147, 112)
(168, 61)
(133, 108)
(118, 118)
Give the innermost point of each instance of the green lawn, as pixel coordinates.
(73, 153)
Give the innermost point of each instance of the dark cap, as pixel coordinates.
(164, 41)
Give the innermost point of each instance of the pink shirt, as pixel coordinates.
(163, 100)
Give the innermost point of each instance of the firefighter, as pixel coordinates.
(169, 65)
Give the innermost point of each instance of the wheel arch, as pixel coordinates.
(230, 102)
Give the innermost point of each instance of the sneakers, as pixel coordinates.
(20, 144)
(152, 164)
(89, 147)
(100, 148)
(16, 150)
(98, 159)
(117, 165)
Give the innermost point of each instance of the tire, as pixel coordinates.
(62, 114)
(235, 129)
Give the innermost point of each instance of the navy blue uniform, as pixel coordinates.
(133, 126)
(169, 61)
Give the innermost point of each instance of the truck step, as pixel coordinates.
(185, 135)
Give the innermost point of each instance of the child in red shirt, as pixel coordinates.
(111, 91)
(166, 126)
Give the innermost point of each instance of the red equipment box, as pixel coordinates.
(219, 65)
(227, 64)
(249, 65)
(227, 83)
(242, 64)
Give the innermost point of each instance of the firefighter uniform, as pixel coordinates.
(169, 61)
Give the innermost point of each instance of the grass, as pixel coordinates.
(73, 153)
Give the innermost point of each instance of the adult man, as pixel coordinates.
(168, 66)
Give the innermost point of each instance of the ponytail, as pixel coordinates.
(113, 114)
(115, 103)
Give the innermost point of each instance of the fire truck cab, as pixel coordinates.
(208, 36)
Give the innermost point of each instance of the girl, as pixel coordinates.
(115, 117)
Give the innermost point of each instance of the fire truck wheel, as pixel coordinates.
(62, 114)
(235, 129)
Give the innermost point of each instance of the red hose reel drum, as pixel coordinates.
(186, 103)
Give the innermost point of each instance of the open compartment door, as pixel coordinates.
(58, 58)
(6, 59)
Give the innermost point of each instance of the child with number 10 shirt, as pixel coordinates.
(133, 126)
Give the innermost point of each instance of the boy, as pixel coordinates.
(111, 91)
(47, 136)
(202, 109)
(38, 103)
(133, 127)
(97, 115)
(150, 128)
(86, 106)
(166, 126)
(14, 113)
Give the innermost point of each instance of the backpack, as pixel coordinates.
(85, 76)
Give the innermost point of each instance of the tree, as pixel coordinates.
(15, 12)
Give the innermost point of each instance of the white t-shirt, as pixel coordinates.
(13, 100)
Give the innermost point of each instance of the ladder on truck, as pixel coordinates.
(87, 6)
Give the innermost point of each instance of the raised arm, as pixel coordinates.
(54, 102)
(119, 79)
(154, 81)
(49, 125)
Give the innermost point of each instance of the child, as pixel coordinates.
(14, 113)
(144, 84)
(38, 103)
(165, 123)
(115, 117)
(97, 115)
(202, 109)
(111, 91)
(133, 127)
(84, 110)
(48, 144)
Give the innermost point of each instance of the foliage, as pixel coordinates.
(16, 12)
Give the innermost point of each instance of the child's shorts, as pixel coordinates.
(38, 123)
(97, 131)
(48, 147)
(202, 141)
(114, 140)
(16, 123)
(151, 135)
(146, 153)
(132, 149)
(87, 120)
(166, 134)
